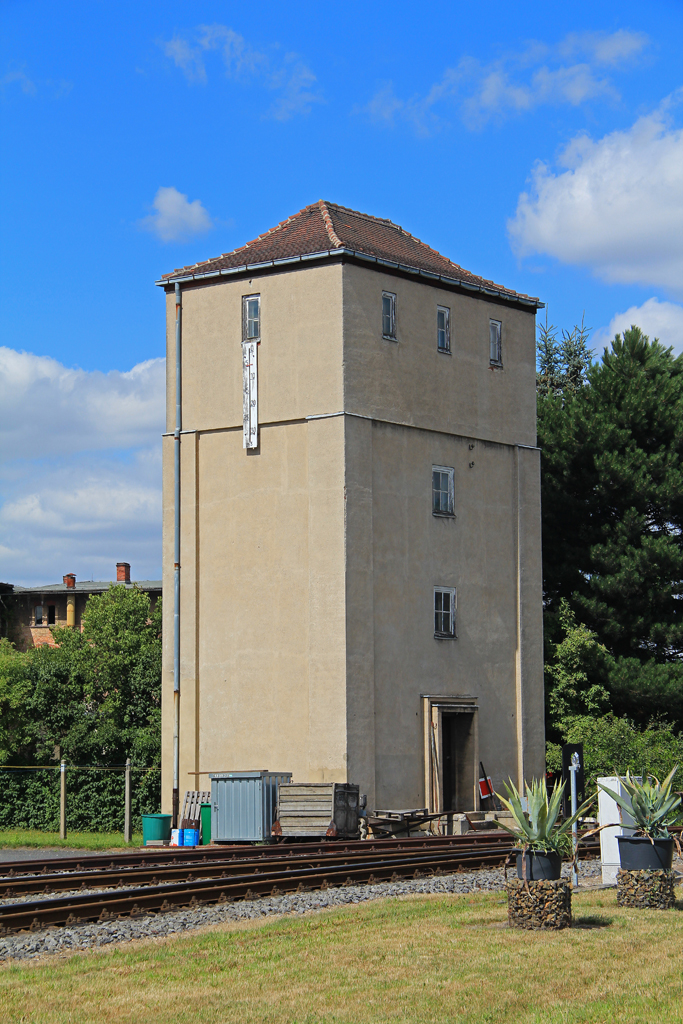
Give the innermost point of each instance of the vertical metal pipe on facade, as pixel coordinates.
(519, 611)
(176, 560)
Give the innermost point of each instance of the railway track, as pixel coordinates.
(148, 856)
(212, 876)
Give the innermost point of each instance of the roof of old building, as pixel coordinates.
(87, 587)
(324, 229)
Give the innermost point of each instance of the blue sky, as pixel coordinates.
(539, 145)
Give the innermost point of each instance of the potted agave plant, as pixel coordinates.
(544, 841)
(653, 808)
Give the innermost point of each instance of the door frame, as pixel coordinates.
(433, 708)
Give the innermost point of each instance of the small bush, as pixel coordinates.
(611, 745)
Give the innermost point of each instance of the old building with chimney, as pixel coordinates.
(28, 613)
(359, 516)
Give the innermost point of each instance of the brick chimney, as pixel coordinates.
(123, 572)
(70, 580)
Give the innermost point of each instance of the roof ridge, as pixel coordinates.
(329, 227)
(391, 223)
(246, 245)
(312, 230)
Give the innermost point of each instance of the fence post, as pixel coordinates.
(127, 821)
(62, 800)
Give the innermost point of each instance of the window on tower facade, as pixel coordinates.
(444, 613)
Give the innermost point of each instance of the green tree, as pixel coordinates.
(612, 493)
(574, 675)
(95, 699)
(563, 363)
(117, 656)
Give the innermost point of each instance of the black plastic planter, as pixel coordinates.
(539, 866)
(638, 853)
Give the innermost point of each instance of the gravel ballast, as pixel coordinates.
(27, 945)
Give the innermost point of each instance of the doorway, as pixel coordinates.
(451, 752)
(457, 762)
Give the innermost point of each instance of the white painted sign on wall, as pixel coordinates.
(249, 394)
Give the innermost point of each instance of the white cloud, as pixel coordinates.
(48, 409)
(519, 82)
(289, 76)
(663, 320)
(295, 83)
(82, 514)
(80, 478)
(617, 207)
(187, 58)
(175, 218)
(20, 78)
(602, 47)
(239, 58)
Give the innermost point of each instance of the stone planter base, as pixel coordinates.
(542, 904)
(646, 889)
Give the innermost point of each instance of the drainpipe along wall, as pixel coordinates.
(176, 559)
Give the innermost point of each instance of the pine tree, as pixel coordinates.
(612, 489)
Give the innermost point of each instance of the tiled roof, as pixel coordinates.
(87, 587)
(325, 228)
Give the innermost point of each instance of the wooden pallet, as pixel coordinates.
(194, 798)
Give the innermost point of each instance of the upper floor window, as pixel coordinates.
(389, 315)
(495, 342)
(251, 315)
(444, 613)
(443, 489)
(443, 328)
(38, 615)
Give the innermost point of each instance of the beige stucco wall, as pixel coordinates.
(262, 536)
(404, 552)
(300, 356)
(308, 565)
(409, 381)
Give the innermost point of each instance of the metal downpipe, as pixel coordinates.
(176, 560)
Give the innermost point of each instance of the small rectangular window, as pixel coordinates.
(495, 342)
(251, 315)
(443, 491)
(443, 328)
(39, 615)
(51, 615)
(444, 613)
(389, 315)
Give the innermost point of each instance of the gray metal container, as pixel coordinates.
(243, 804)
(317, 809)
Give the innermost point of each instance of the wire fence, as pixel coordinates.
(79, 798)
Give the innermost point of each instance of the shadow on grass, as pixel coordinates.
(592, 921)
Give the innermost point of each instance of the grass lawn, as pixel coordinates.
(18, 837)
(419, 959)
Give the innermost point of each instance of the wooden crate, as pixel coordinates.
(317, 809)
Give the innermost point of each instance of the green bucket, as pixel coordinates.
(156, 826)
(205, 812)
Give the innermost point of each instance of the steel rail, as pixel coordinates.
(75, 909)
(294, 877)
(160, 855)
(177, 869)
(184, 871)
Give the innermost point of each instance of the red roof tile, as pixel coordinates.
(324, 227)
